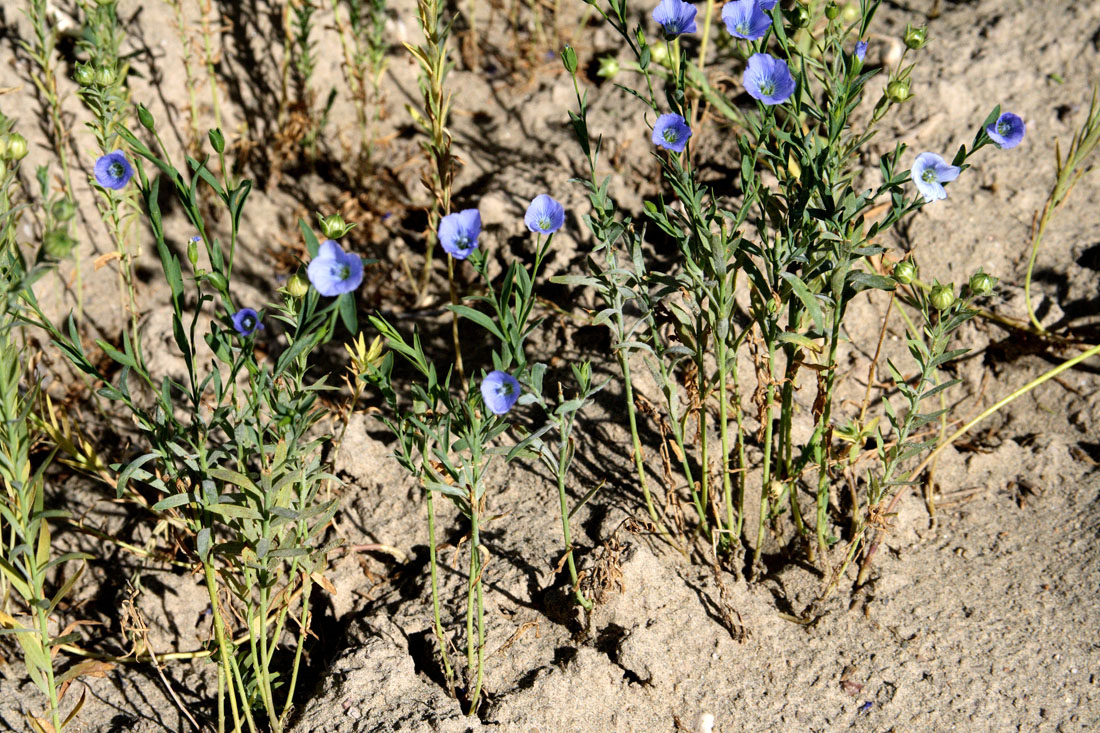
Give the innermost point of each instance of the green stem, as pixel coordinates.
(769, 402)
(432, 566)
(639, 462)
(562, 468)
(307, 587)
(474, 652)
(227, 664)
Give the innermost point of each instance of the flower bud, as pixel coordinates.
(609, 67)
(904, 272)
(915, 38)
(982, 283)
(897, 91)
(84, 75)
(58, 244)
(63, 210)
(217, 140)
(942, 297)
(104, 76)
(297, 286)
(193, 250)
(334, 226)
(832, 10)
(16, 147)
(798, 16)
(218, 281)
(569, 59)
(145, 118)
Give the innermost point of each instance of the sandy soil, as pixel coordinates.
(984, 619)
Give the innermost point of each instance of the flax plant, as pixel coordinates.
(102, 78)
(799, 247)
(28, 563)
(232, 448)
(448, 434)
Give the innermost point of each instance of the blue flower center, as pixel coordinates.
(341, 272)
(462, 241)
(248, 323)
(505, 389)
(544, 223)
(929, 175)
(743, 27)
(767, 88)
(1003, 128)
(670, 135)
(115, 170)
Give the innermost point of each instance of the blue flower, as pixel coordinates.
(1007, 131)
(113, 170)
(768, 79)
(247, 321)
(861, 50)
(334, 272)
(671, 132)
(746, 19)
(675, 16)
(500, 390)
(930, 172)
(767, 4)
(544, 215)
(458, 233)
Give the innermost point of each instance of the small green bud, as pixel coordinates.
(58, 244)
(218, 280)
(897, 91)
(982, 283)
(942, 297)
(609, 67)
(915, 38)
(217, 140)
(16, 148)
(63, 210)
(84, 75)
(334, 226)
(297, 286)
(798, 16)
(569, 59)
(832, 10)
(904, 272)
(146, 118)
(193, 250)
(104, 76)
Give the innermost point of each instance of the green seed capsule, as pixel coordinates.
(569, 59)
(218, 281)
(146, 118)
(334, 226)
(904, 272)
(16, 148)
(297, 286)
(897, 91)
(942, 297)
(982, 283)
(63, 210)
(58, 244)
(84, 75)
(915, 38)
(104, 76)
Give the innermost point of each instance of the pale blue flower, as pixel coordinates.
(861, 50)
(113, 170)
(544, 215)
(675, 16)
(500, 390)
(930, 172)
(334, 272)
(458, 233)
(1007, 131)
(768, 79)
(746, 19)
(671, 132)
